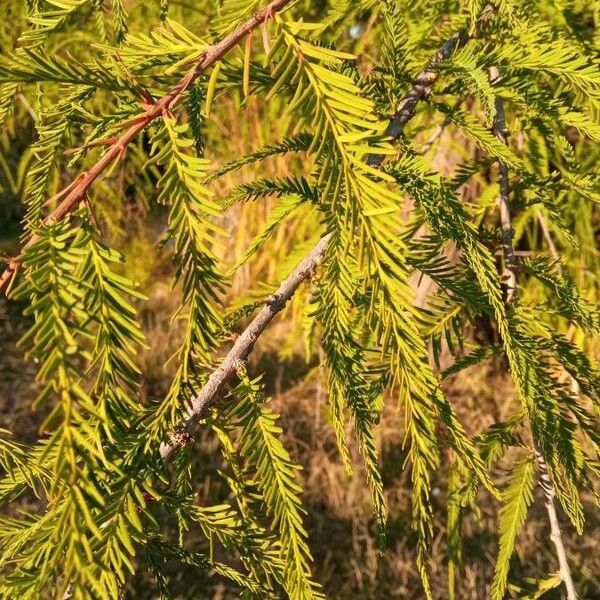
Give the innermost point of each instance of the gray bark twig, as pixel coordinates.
(423, 83)
(510, 262)
(555, 531)
(241, 349)
(548, 237)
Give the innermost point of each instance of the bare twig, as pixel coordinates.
(555, 532)
(437, 134)
(72, 200)
(28, 107)
(510, 275)
(241, 349)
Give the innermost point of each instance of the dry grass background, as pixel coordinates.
(340, 524)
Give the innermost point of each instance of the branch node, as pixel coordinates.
(181, 437)
(276, 301)
(239, 366)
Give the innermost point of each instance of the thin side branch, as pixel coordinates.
(423, 83)
(510, 274)
(555, 532)
(78, 190)
(548, 237)
(241, 349)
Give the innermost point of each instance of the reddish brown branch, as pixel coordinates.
(76, 192)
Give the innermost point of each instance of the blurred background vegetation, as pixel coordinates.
(348, 561)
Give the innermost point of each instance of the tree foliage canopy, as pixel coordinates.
(358, 95)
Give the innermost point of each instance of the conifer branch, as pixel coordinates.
(510, 274)
(95, 474)
(238, 355)
(423, 83)
(75, 193)
(243, 346)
